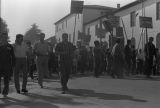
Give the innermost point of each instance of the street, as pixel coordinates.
(88, 92)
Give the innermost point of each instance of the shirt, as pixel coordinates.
(7, 56)
(150, 50)
(113, 49)
(41, 49)
(7, 60)
(65, 50)
(20, 50)
(140, 56)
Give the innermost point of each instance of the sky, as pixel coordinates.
(21, 14)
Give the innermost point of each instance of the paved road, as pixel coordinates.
(88, 92)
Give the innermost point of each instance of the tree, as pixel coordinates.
(3, 26)
(32, 34)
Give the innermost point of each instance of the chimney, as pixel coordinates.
(118, 6)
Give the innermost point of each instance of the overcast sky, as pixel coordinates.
(21, 14)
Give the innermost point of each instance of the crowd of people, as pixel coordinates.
(23, 58)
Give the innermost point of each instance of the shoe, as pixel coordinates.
(4, 95)
(149, 77)
(24, 91)
(18, 91)
(41, 86)
(32, 77)
(66, 88)
(63, 92)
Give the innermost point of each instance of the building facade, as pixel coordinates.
(73, 24)
(129, 19)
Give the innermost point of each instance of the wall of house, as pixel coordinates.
(150, 11)
(69, 28)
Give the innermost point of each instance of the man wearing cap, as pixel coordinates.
(65, 51)
(7, 62)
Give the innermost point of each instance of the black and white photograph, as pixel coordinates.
(79, 53)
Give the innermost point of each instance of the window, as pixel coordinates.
(69, 37)
(158, 11)
(133, 19)
(57, 28)
(78, 16)
(62, 25)
(66, 23)
(88, 31)
(96, 29)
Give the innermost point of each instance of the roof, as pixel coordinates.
(129, 5)
(63, 18)
(50, 38)
(95, 20)
(87, 7)
(97, 7)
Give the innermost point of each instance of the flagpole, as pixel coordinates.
(0, 15)
(0, 34)
(74, 31)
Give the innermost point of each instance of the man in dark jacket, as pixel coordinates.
(150, 52)
(117, 60)
(97, 59)
(65, 51)
(128, 57)
(7, 62)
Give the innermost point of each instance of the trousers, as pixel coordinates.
(42, 68)
(65, 70)
(21, 66)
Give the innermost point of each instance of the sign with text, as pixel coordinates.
(101, 33)
(108, 26)
(76, 7)
(119, 32)
(114, 20)
(145, 22)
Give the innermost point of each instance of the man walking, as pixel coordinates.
(128, 57)
(97, 59)
(20, 51)
(30, 59)
(7, 62)
(65, 51)
(150, 52)
(41, 50)
(117, 63)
